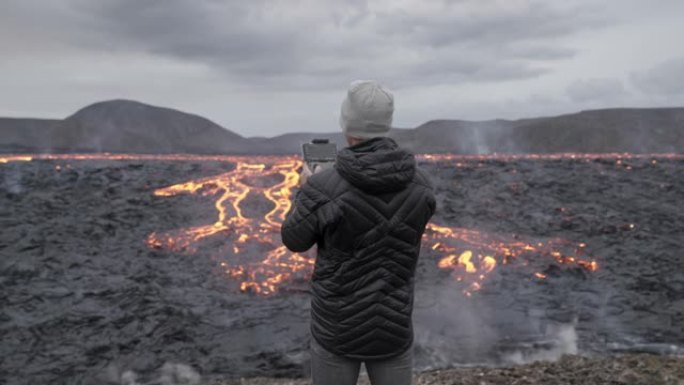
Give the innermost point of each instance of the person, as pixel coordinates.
(367, 216)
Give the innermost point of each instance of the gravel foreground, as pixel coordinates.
(636, 369)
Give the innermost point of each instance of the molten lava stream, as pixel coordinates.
(249, 236)
(260, 236)
(472, 269)
(242, 238)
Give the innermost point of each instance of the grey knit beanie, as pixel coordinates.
(367, 110)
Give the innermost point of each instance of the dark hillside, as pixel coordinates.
(129, 126)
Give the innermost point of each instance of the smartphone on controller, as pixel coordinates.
(319, 153)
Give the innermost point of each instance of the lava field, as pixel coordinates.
(116, 263)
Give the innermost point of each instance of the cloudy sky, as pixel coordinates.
(263, 68)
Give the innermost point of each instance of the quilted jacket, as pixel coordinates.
(367, 215)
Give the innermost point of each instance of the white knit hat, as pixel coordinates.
(367, 110)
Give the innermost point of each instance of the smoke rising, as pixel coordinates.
(11, 181)
(452, 329)
(561, 339)
(169, 374)
(178, 374)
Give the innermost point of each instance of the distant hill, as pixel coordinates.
(620, 129)
(292, 143)
(129, 126)
(134, 127)
(25, 135)
(609, 130)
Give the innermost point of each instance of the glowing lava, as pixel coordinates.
(242, 236)
(471, 255)
(248, 249)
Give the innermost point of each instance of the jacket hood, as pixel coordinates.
(376, 165)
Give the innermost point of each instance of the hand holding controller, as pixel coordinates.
(318, 155)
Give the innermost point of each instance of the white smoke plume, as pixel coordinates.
(178, 374)
(11, 181)
(562, 340)
(469, 331)
(169, 374)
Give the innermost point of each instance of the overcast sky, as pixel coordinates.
(263, 68)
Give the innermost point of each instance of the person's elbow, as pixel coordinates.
(297, 248)
(296, 243)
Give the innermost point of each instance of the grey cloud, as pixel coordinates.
(536, 51)
(263, 66)
(665, 79)
(27, 26)
(590, 90)
(465, 22)
(322, 44)
(229, 34)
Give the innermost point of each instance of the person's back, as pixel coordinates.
(367, 216)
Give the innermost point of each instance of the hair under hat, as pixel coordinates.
(367, 110)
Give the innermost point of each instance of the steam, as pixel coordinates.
(129, 378)
(178, 374)
(11, 181)
(562, 339)
(169, 374)
(481, 144)
(483, 330)
(454, 334)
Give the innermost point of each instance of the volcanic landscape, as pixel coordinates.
(122, 263)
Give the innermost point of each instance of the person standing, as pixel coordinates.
(367, 216)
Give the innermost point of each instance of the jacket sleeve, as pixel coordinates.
(429, 194)
(432, 203)
(302, 226)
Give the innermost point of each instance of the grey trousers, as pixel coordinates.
(328, 368)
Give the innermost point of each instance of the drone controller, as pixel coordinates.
(320, 153)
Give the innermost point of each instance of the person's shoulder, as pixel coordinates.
(422, 178)
(329, 182)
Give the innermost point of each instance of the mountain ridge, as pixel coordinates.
(122, 125)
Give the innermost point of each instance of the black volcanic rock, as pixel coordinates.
(129, 126)
(84, 297)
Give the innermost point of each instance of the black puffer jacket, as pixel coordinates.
(367, 216)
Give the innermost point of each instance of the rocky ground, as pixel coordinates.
(83, 296)
(637, 369)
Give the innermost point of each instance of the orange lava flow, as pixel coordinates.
(242, 234)
(15, 158)
(472, 255)
(551, 156)
(249, 250)
(8, 158)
